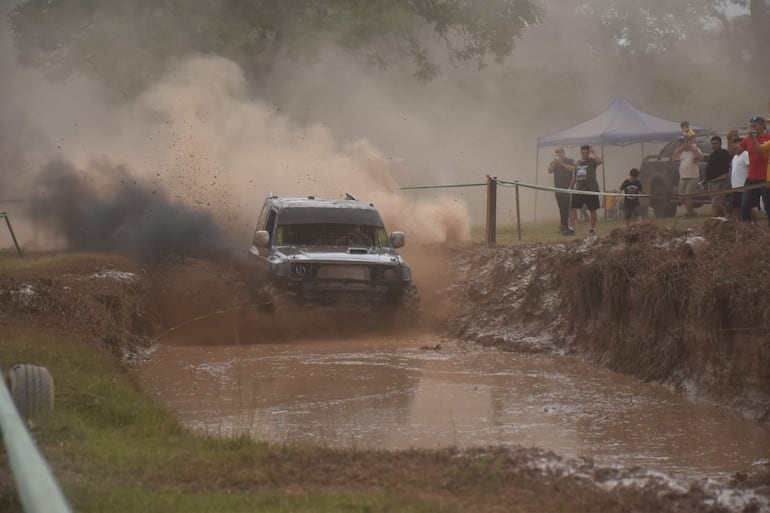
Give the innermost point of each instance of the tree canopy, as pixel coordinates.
(634, 29)
(126, 43)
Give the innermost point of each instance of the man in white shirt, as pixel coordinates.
(739, 171)
(688, 156)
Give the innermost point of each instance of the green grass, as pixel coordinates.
(45, 264)
(548, 231)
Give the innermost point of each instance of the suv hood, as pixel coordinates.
(335, 255)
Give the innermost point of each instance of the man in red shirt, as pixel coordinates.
(757, 165)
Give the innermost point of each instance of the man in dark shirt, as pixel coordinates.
(584, 179)
(562, 168)
(718, 176)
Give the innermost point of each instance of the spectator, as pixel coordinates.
(739, 170)
(688, 156)
(562, 168)
(758, 135)
(584, 179)
(764, 148)
(717, 175)
(687, 132)
(630, 187)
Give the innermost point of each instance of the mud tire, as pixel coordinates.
(278, 302)
(32, 390)
(410, 309)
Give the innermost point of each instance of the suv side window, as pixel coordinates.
(270, 224)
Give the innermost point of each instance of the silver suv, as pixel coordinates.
(332, 253)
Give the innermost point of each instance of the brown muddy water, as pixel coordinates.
(397, 393)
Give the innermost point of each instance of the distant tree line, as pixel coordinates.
(126, 43)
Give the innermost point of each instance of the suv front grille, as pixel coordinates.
(314, 271)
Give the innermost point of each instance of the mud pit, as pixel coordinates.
(420, 391)
(686, 336)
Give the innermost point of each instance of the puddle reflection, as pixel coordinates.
(384, 393)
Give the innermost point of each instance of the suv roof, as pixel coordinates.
(312, 201)
(325, 210)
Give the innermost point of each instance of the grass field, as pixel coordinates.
(548, 231)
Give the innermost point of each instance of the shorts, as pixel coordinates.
(718, 189)
(688, 185)
(589, 200)
(631, 209)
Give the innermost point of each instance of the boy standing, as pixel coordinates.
(631, 186)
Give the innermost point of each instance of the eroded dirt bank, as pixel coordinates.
(638, 301)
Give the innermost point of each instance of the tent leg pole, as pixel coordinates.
(537, 162)
(518, 213)
(604, 180)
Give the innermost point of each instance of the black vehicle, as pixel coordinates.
(332, 253)
(659, 175)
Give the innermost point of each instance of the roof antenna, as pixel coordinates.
(350, 196)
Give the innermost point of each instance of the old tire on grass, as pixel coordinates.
(31, 387)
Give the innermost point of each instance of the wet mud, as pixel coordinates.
(421, 391)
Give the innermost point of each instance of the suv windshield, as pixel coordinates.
(331, 234)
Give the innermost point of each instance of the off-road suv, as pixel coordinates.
(330, 253)
(659, 175)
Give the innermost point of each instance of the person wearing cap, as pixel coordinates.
(562, 167)
(752, 143)
(764, 148)
(584, 179)
(739, 170)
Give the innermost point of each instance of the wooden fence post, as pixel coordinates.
(491, 225)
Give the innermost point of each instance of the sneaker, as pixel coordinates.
(569, 231)
(592, 232)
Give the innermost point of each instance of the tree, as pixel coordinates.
(126, 43)
(639, 29)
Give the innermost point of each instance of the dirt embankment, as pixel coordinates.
(638, 301)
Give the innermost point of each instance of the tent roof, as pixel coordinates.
(621, 123)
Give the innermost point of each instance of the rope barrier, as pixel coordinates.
(546, 188)
(443, 186)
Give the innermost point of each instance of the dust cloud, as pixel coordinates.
(207, 140)
(192, 155)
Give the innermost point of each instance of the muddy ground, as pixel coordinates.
(650, 301)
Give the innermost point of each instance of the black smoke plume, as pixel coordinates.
(107, 209)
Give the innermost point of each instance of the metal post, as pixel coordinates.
(518, 212)
(491, 225)
(603, 199)
(13, 236)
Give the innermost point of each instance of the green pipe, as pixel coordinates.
(37, 488)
